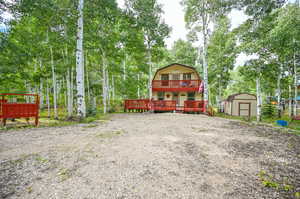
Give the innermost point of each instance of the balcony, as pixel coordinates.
(175, 85)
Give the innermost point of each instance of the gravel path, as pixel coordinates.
(150, 156)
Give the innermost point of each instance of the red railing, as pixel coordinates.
(142, 104)
(163, 105)
(18, 110)
(175, 85)
(194, 106)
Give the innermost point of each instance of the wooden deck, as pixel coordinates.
(142, 105)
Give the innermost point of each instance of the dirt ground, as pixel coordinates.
(150, 156)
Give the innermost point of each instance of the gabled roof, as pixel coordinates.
(231, 97)
(190, 67)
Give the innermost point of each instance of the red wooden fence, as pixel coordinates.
(18, 110)
(163, 105)
(142, 104)
(194, 106)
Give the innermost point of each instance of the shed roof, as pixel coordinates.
(232, 97)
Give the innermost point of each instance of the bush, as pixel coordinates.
(91, 111)
(269, 111)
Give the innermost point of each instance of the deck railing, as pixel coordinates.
(175, 85)
(141, 104)
(194, 106)
(163, 105)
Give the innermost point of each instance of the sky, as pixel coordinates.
(174, 17)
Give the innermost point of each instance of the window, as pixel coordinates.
(187, 76)
(176, 77)
(165, 79)
(161, 95)
(191, 96)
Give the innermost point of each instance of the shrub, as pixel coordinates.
(269, 110)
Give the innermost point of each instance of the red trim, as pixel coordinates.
(175, 85)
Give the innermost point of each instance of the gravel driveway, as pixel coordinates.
(150, 156)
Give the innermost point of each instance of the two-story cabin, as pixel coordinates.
(177, 82)
(176, 87)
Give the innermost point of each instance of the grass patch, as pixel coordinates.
(44, 121)
(90, 126)
(294, 125)
(268, 181)
(41, 160)
(107, 135)
(64, 174)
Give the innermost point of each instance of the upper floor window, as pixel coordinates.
(187, 76)
(176, 77)
(165, 79)
(164, 76)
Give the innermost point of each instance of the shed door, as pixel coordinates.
(244, 109)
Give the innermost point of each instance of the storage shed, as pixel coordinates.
(241, 104)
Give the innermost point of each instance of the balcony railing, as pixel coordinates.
(175, 85)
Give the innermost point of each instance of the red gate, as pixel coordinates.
(18, 110)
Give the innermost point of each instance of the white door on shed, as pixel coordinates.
(244, 109)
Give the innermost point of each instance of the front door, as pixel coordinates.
(176, 98)
(244, 109)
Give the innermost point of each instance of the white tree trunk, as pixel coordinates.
(72, 89)
(81, 110)
(150, 73)
(107, 90)
(48, 100)
(204, 57)
(290, 102)
(87, 81)
(279, 92)
(138, 84)
(54, 85)
(104, 93)
(259, 101)
(295, 85)
(41, 89)
(124, 68)
(69, 94)
(113, 87)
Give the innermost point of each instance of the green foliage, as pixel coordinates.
(221, 56)
(269, 110)
(183, 52)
